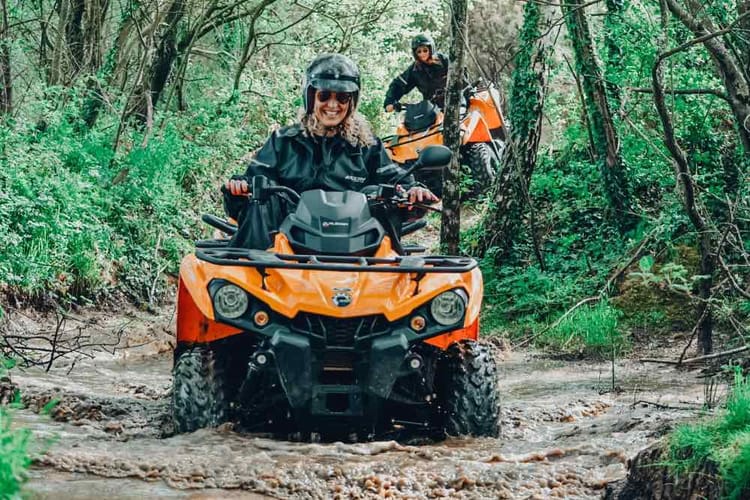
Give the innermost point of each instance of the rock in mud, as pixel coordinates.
(649, 479)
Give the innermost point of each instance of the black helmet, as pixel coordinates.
(421, 40)
(334, 72)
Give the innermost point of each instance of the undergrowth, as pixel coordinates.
(15, 456)
(81, 221)
(724, 441)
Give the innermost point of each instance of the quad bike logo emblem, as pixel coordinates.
(342, 297)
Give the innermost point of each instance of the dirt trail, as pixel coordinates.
(562, 434)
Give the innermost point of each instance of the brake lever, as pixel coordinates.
(405, 203)
(428, 207)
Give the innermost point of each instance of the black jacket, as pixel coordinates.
(430, 79)
(302, 162)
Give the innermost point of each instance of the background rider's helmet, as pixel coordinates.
(334, 72)
(420, 40)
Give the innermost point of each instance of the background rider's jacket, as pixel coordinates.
(302, 162)
(429, 79)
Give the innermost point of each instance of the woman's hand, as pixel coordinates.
(419, 194)
(238, 187)
(389, 108)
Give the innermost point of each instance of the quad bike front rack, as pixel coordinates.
(263, 260)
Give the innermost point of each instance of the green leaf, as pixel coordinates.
(646, 263)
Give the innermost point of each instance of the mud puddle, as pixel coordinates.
(562, 436)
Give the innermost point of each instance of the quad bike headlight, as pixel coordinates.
(230, 301)
(448, 308)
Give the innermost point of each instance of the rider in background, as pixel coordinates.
(332, 147)
(428, 73)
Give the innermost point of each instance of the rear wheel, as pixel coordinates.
(478, 157)
(198, 389)
(467, 392)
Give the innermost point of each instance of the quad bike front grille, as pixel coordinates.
(340, 332)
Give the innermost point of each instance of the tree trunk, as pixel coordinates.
(74, 33)
(158, 69)
(528, 91)
(93, 50)
(613, 33)
(692, 205)
(741, 40)
(606, 141)
(450, 230)
(44, 42)
(95, 86)
(6, 82)
(59, 49)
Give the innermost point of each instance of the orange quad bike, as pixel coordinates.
(482, 137)
(336, 331)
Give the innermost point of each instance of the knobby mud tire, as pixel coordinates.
(468, 391)
(198, 390)
(478, 157)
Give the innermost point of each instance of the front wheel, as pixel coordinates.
(198, 390)
(468, 392)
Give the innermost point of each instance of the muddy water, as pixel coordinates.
(562, 436)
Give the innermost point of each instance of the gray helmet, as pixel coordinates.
(334, 72)
(421, 40)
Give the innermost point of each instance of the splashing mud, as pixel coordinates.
(562, 435)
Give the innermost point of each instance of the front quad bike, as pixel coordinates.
(337, 330)
(483, 136)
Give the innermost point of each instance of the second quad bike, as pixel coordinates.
(336, 330)
(482, 136)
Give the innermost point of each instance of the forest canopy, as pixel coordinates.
(624, 177)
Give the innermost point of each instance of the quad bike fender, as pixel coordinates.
(194, 325)
(470, 330)
(475, 129)
(393, 295)
(405, 148)
(487, 105)
(196, 322)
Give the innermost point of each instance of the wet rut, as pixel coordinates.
(562, 435)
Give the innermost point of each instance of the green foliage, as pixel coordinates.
(525, 104)
(14, 456)
(81, 221)
(83, 218)
(587, 329)
(724, 441)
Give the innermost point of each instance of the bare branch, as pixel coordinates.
(717, 93)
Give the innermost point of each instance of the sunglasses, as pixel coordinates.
(341, 97)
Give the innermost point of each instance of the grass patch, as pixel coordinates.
(591, 330)
(724, 441)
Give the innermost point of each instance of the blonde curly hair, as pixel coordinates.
(354, 128)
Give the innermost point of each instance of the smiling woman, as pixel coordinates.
(331, 148)
(331, 108)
